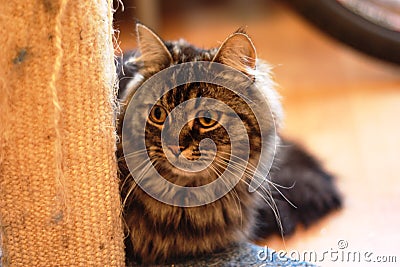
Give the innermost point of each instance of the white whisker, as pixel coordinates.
(137, 180)
(130, 173)
(233, 192)
(255, 173)
(271, 202)
(132, 154)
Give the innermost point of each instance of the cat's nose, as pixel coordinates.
(175, 149)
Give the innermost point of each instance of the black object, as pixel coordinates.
(345, 25)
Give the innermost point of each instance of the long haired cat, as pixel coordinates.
(296, 190)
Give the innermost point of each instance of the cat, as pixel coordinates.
(297, 189)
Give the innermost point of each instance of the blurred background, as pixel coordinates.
(341, 104)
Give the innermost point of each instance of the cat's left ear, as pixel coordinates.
(154, 54)
(238, 52)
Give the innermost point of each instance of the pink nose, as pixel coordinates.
(175, 149)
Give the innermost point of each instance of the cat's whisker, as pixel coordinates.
(237, 204)
(256, 172)
(137, 180)
(239, 158)
(132, 154)
(125, 180)
(219, 173)
(248, 168)
(252, 174)
(271, 202)
(219, 163)
(242, 160)
(130, 173)
(233, 192)
(274, 209)
(240, 167)
(126, 77)
(143, 173)
(208, 168)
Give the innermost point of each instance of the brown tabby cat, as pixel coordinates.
(297, 189)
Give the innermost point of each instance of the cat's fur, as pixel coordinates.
(162, 233)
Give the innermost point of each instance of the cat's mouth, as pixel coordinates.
(181, 154)
(187, 172)
(193, 165)
(190, 152)
(187, 159)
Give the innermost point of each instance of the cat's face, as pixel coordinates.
(199, 123)
(191, 162)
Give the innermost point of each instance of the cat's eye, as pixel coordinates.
(158, 114)
(207, 118)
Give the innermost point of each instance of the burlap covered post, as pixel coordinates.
(59, 200)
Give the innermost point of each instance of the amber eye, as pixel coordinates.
(207, 118)
(158, 114)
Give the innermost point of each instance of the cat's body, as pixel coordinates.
(159, 232)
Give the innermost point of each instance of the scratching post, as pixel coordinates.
(59, 200)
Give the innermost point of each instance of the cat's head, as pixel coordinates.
(190, 162)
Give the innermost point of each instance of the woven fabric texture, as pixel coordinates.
(59, 200)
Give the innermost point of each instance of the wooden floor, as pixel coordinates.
(343, 106)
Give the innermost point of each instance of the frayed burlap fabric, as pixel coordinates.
(59, 201)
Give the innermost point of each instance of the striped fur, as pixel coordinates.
(162, 233)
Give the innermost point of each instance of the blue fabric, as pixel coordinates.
(240, 255)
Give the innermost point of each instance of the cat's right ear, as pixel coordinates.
(153, 53)
(238, 52)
